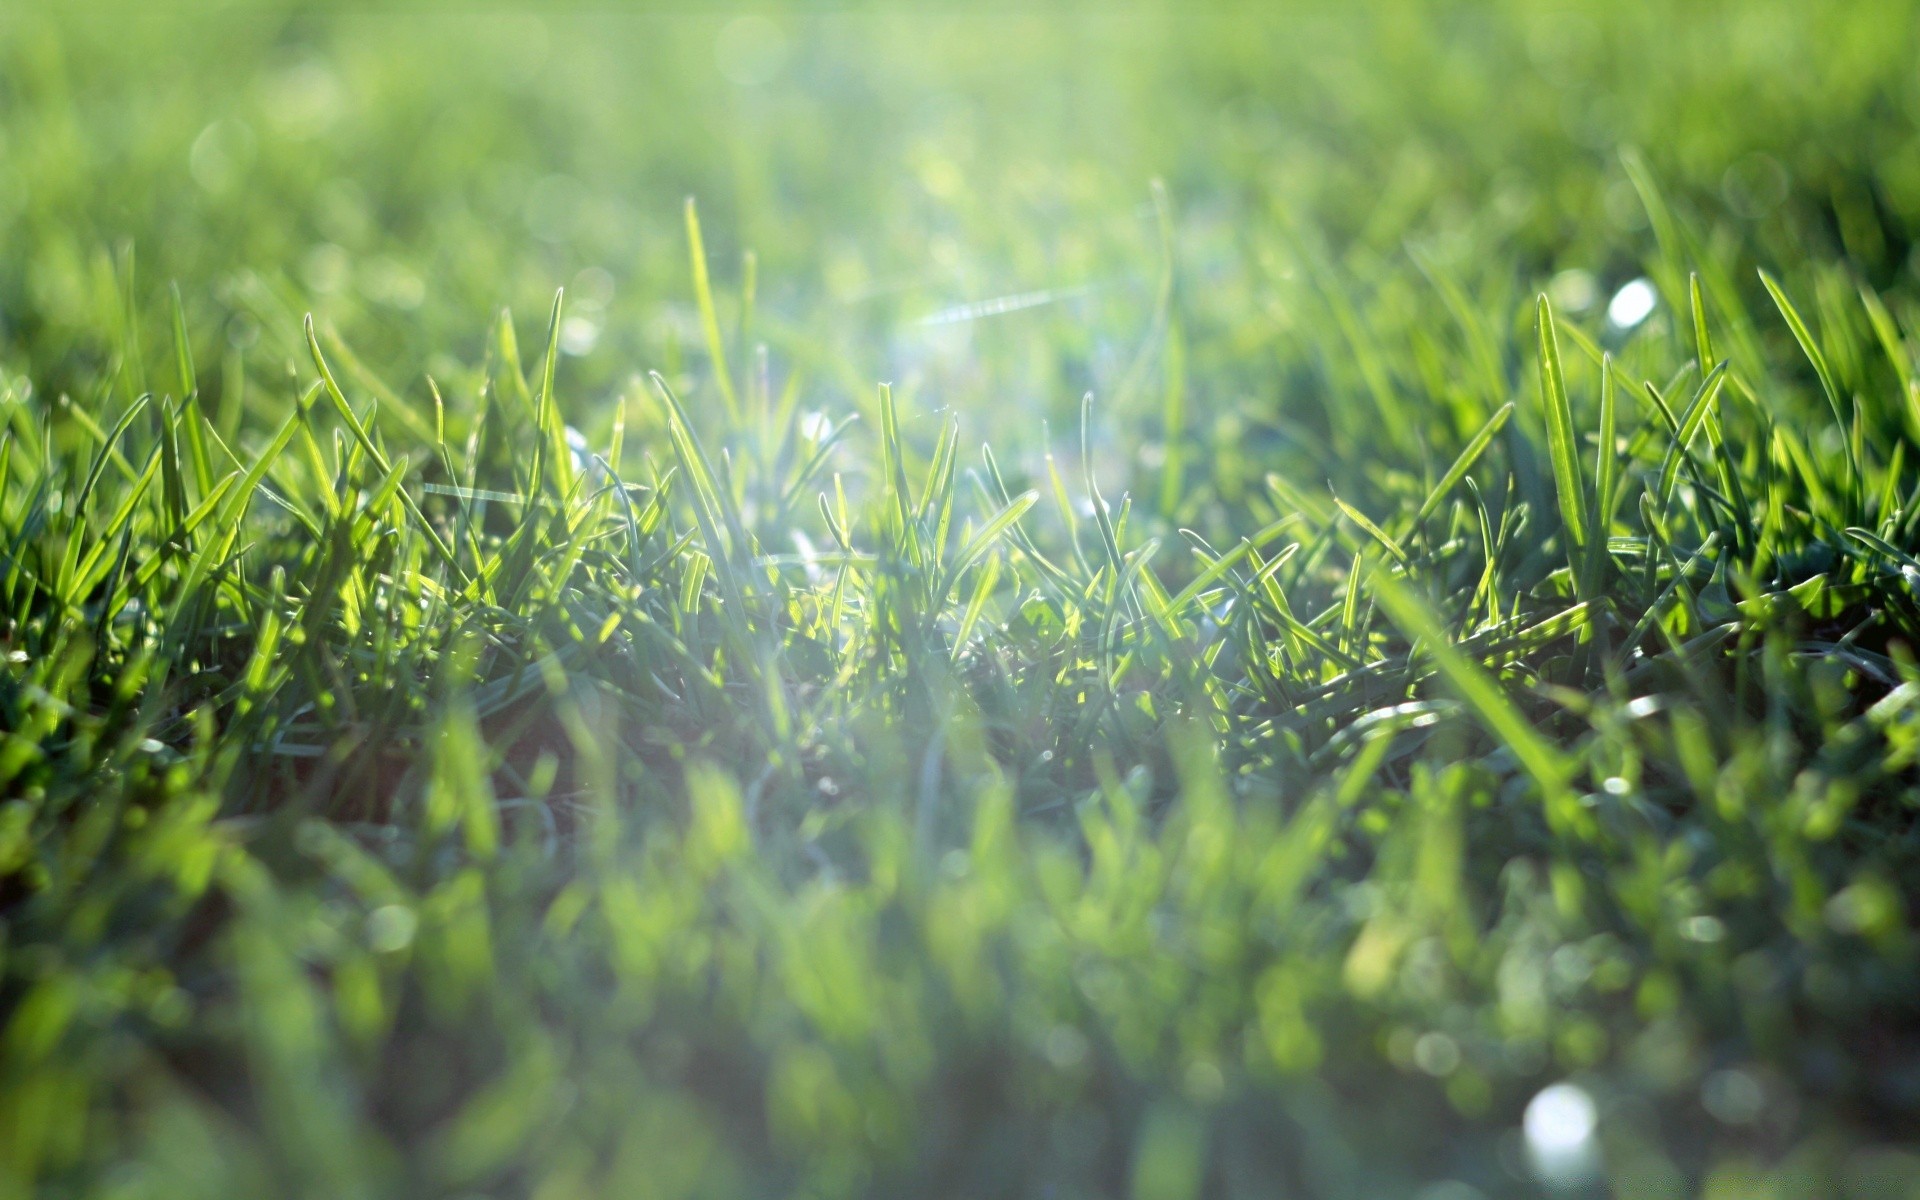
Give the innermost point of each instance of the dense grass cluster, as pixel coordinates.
(1365, 645)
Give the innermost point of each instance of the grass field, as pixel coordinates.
(1143, 601)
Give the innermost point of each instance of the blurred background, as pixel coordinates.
(955, 198)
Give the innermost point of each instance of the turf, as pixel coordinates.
(902, 600)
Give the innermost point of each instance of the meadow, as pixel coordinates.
(906, 599)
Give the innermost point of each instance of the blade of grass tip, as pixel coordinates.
(1583, 341)
(999, 493)
(1661, 407)
(709, 317)
(943, 511)
(1887, 333)
(379, 458)
(1373, 531)
(1550, 769)
(1728, 468)
(1100, 515)
(391, 401)
(117, 572)
(984, 540)
(892, 458)
(1297, 499)
(943, 451)
(1110, 620)
(547, 406)
(977, 603)
(1702, 339)
(707, 497)
(383, 495)
(1488, 587)
(172, 488)
(82, 414)
(507, 343)
(264, 461)
(1658, 607)
(833, 526)
(190, 398)
(1811, 349)
(1889, 505)
(1221, 564)
(1606, 469)
(122, 516)
(1696, 415)
(1297, 636)
(814, 462)
(1350, 608)
(1561, 447)
(843, 513)
(1476, 446)
(1878, 544)
(339, 400)
(1058, 485)
(105, 453)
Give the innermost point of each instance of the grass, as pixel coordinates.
(519, 682)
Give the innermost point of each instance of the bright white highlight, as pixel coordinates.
(815, 425)
(1560, 1118)
(1632, 304)
(1559, 1127)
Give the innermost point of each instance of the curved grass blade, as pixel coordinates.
(1828, 384)
(1476, 446)
(709, 316)
(1561, 447)
(1550, 769)
(1000, 523)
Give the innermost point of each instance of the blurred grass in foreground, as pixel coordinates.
(1400, 736)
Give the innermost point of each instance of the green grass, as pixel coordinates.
(915, 601)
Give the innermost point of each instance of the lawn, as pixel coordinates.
(906, 599)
